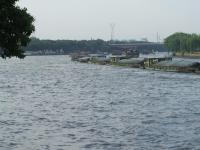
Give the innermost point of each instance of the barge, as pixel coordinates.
(153, 63)
(185, 66)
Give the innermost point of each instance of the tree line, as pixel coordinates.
(183, 42)
(68, 46)
(91, 46)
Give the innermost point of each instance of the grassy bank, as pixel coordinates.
(195, 55)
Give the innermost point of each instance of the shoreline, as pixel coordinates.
(187, 57)
(194, 55)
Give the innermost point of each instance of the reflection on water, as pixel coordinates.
(52, 103)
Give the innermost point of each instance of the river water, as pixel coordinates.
(51, 103)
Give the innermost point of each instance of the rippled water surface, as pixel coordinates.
(51, 103)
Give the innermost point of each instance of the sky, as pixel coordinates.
(133, 19)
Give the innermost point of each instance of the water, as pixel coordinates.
(51, 103)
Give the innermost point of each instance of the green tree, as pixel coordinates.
(16, 26)
(183, 42)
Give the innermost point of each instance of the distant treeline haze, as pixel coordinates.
(66, 45)
(92, 46)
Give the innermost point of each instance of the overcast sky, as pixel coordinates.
(134, 19)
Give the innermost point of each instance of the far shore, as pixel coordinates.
(193, 55)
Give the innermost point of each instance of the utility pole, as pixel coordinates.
(112, 27)
(157, 36)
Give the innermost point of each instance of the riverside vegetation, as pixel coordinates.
(184, 44)
(181, 44)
